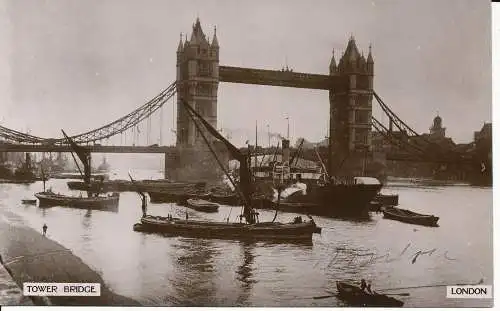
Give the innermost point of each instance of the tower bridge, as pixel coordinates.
(198, 75)
(349, 83)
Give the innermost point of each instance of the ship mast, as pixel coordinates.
(84, 156)
(245, 175)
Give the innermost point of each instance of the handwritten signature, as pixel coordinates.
(350, 258)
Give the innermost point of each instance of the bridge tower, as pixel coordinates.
(197, 83)
(351, 111)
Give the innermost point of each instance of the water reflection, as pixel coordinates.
(88, 214)
(245, 273)
(195, 272)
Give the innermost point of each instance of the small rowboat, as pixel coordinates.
(203, 205)
(357, 297)
(410, 217)
(29, 201)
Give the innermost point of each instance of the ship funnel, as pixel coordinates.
(285, 143)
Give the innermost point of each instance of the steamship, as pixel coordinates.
(311, 190)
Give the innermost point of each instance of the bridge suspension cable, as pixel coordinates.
(436, 153)
(379, 127)
(119, 126)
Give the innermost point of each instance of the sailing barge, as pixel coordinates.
(298, 230)
(49, 198)
(92, 201)
(206, 229)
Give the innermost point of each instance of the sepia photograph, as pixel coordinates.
(217, 153)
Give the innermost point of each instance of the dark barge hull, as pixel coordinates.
(411, 217)
(224, 230)
(17, 181)
(144, 185)
(387, 199)
(175, 197)
(230, 200)
(336, 200)
(109, 203)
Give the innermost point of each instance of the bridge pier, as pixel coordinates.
(196, 164)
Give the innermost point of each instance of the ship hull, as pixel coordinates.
(226, 230)
(109, 203)
(336, 200)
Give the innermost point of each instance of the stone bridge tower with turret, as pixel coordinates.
(197, 83)
(351, 111)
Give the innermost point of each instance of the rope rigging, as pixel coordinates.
(119, 126)
(425, 148)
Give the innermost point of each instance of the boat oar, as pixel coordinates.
(323, 297)
(408, 287)
(332, 295)
(399, 294)
(433, 285)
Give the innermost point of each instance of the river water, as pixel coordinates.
(158, 270)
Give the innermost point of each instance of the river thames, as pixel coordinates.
(179, 271)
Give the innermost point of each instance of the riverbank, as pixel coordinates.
(10, 293)
(30, 257)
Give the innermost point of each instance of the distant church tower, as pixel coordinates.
(197, 83)
(437, 129)
(351, 109)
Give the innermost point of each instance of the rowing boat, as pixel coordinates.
(410, 217)
(355, 296)
(203, 205)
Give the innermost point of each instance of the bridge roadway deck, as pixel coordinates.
(279, 78)
(91, 148)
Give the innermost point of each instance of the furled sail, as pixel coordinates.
(245, 174)
(83, 155)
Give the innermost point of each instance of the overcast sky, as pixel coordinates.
(80, 64)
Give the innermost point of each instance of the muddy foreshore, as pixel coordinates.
(28, 256)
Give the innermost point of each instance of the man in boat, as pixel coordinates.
(363, 285)
(369, 288)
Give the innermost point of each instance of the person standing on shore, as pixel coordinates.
(44, 229)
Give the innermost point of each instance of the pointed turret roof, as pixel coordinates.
(197, 36)
(370, 58)
(179, 48)
(362, 62)
(333, 64)
(352, 50)
(215, 42)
